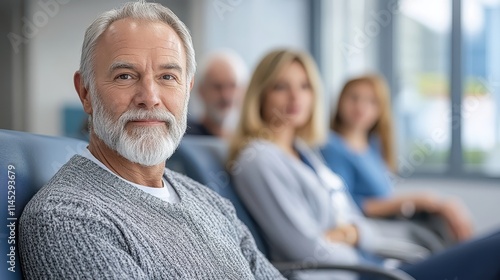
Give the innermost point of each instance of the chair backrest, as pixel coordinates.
(203, 158)
(27, 162)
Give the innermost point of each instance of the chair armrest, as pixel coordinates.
(401, 250)
(360, 269)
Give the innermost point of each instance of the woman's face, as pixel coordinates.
(359, 108)
(289, 100)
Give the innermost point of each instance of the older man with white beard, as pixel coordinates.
(115, 212)
(222, 80)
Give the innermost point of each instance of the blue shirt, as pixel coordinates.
(365, 173)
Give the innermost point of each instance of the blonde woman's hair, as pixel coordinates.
(252, 125)
(383, 127)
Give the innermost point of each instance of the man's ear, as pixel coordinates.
(191, 85)
(83, 92)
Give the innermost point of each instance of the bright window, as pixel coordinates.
(422, 98)
(481, 94)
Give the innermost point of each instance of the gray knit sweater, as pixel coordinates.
(86, 223)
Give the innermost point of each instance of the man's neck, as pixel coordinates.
(142, 175)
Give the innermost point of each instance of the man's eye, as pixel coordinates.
(124, 77)
(168, 77)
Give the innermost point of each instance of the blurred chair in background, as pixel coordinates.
(33, 160)
(75, 122)
(360, 149)
(221, 84)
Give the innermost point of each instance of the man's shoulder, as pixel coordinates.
(199, 191)
(189, 185)
(74, 182)
(77, 174)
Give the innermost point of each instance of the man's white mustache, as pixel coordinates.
(141, 115)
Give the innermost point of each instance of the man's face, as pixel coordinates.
(140, 98)
(220, 90)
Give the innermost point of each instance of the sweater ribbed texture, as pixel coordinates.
(86, 223)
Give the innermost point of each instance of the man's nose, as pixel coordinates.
(148, 94)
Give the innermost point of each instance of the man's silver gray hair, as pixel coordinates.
(136, 10)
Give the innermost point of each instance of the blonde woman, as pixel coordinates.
(360, 149)
(302, 207)
(275, 172)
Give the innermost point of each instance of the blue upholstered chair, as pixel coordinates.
(202, 158)
(27, 162)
